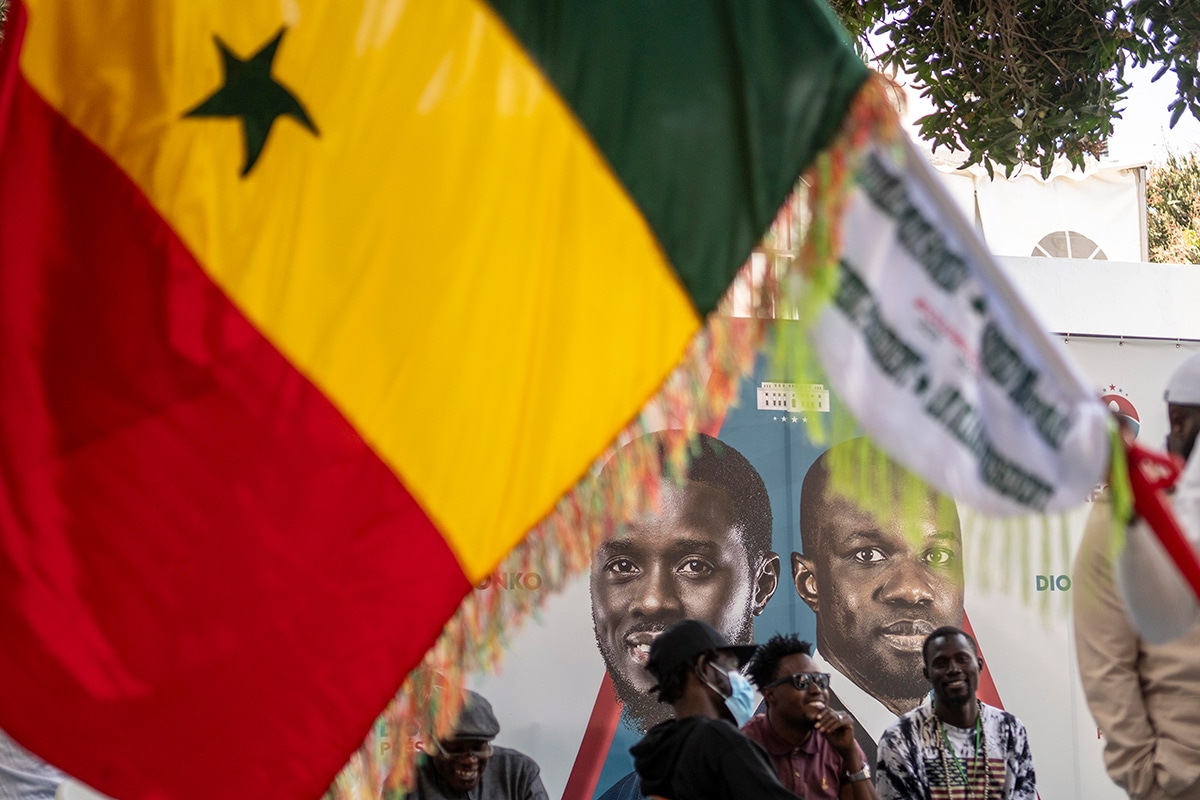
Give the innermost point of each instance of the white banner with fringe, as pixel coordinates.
(941, 361)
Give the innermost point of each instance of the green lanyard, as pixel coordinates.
(962, 770)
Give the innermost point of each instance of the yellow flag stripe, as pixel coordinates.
(449, 260)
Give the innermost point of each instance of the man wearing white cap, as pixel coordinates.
(1136, 632)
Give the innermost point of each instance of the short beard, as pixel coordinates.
(897, 687)
(642, 710)
(884, 687)
(959, 702)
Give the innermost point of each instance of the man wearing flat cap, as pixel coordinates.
(1143, 681)
(700, 754)
(468, 765)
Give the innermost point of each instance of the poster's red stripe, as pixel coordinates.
(209, 585)
(606, 711)
(597, 741)
(987, 691)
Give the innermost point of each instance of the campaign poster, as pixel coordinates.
(569, 692)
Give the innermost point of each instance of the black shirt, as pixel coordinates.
(699, 758)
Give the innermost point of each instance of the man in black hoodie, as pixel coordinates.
(700, 754)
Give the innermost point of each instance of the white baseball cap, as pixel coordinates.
(1184, 387)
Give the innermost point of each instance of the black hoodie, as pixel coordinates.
(699, 758)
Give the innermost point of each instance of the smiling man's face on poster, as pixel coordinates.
(704, 554)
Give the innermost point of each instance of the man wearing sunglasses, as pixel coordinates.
(811, 745)
(467, 765)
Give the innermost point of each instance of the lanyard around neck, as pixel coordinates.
(980, 756)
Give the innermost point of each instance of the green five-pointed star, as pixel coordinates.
(251, 93)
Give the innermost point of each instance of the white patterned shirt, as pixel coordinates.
(914, 762)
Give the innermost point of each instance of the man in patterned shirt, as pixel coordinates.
(958, 747)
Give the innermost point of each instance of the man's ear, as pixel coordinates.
(805, 578)
(765, 582)
(925, 672)
(703, 662)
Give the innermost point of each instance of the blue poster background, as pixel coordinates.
(778, 445)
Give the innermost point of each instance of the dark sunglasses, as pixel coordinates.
(801, 680)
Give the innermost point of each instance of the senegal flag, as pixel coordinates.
(309, 311)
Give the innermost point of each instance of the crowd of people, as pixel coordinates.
(711, 745)
(712, 748)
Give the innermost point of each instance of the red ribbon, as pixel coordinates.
(1151, 473)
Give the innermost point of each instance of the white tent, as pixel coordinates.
(1098, 213)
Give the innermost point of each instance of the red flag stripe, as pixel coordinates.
(189, 529)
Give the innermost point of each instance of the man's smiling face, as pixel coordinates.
(687, 561)
(878, 593)
(952, 668)
(461, 762)
(798, 707)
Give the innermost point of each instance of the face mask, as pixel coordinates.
(741, 702)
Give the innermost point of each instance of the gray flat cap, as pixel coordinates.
(477, 720)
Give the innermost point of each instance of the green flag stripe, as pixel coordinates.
(706, 110)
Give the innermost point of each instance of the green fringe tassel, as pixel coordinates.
(1119, 488)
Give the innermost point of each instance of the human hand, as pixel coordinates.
(838, 728)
